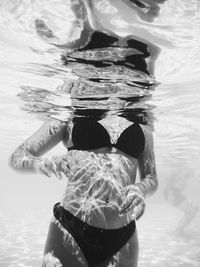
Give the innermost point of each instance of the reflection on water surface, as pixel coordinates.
(38, 74)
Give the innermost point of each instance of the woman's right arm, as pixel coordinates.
(28, 155)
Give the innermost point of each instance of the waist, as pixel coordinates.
(65, 216)
(110, 153)
(99, 214)
(109, 148)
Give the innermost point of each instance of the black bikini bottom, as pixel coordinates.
(97, 244)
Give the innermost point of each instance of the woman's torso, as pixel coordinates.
(97, 177)
(99, 170)
(95, 182)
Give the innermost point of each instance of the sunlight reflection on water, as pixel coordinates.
(30, 61)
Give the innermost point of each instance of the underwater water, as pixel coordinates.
(33, 78)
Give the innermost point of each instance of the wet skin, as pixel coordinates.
(100, 184)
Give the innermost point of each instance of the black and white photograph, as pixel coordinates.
(100, 133)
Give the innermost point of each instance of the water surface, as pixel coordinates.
(33, 76)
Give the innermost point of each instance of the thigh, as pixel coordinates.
(127, 256)
(60, 249)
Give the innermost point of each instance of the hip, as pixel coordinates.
(103, 216)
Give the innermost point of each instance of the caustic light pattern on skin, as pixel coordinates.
(51, 261)
(102, 180)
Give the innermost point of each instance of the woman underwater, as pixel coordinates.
(94, 222)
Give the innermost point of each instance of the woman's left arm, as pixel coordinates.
(134, 194)
(147, 166)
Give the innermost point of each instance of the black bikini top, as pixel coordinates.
(90, 135)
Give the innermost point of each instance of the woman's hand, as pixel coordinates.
(57, 166)
(132, 200)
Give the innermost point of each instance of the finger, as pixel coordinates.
(128, 198)
(131, 205)
(61, 169)
(45, 171)
(57, 167)
(134, 204)
(137, 201)
(64, 167)
(139, 211)
(61, 165)
(126, 204)
(56, 171)
(40, 168)
(130, 189)
(59, 161)
(60, 172)
(64, 158)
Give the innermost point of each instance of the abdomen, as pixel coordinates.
(94, 186)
